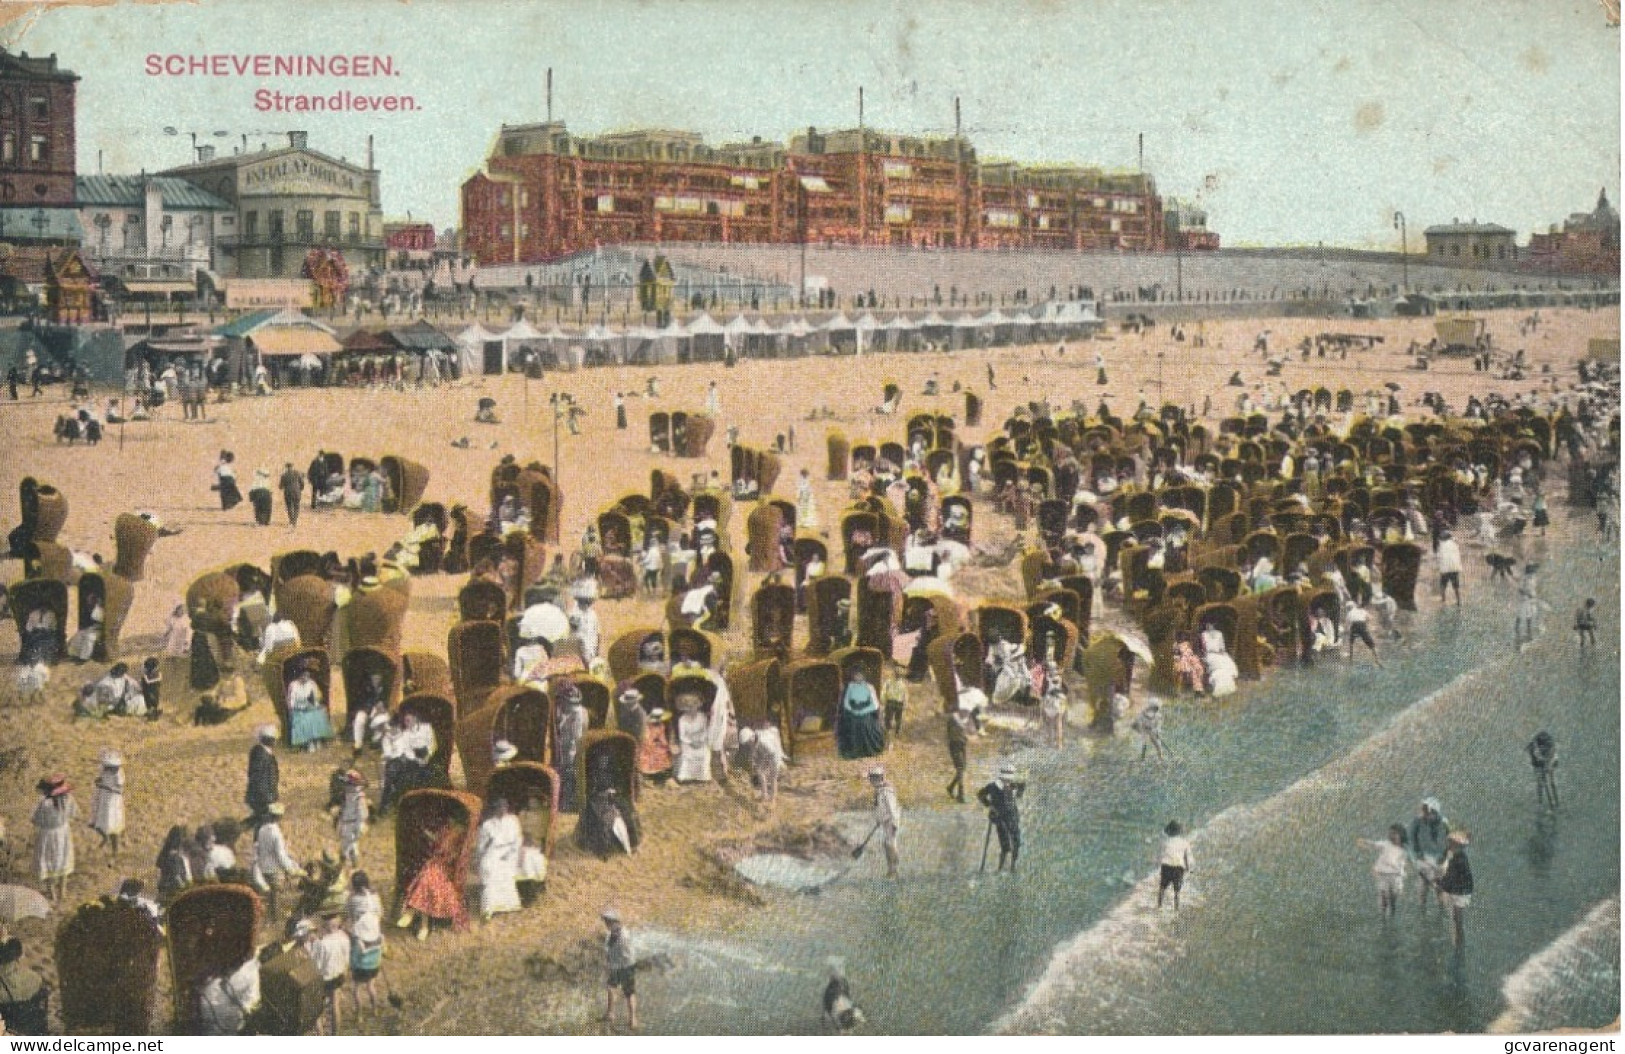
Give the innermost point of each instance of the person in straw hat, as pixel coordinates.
(273, 863)
(259, 495)
(888, 816)
(107, 801)
(53, 835)
(263, 772)
(1456, 882)
(692, 763)
(620, 964)
(1000, 798)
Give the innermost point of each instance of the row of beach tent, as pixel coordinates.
(704, 339)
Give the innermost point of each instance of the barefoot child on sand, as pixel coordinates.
(1389, 870)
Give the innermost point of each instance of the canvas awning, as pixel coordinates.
(367, 342)
(704, 325)
(183, 347)
(900, 323)
(738, 324)
(153, 285)
(422, 337)
(815, 184)
(836, 323)
(475, 336)
(522, 330)
(290, 340)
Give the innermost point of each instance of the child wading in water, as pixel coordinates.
(1585, 624)
(1175, 860)
(1389, 870)
(1543, 756)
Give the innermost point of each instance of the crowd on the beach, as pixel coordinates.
(1077, 501)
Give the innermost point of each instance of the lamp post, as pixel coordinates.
(558, 408)
(1404, 250)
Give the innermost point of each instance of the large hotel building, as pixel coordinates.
(546, 193)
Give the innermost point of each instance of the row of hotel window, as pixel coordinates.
(1480, 252)
(304, 223)
(134, 233)
(895, 214)
(673, 203)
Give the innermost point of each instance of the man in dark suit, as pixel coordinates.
(292, 485)
(317, 474)
(1000, 799)
(263, 774)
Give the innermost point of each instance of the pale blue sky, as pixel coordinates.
(1296, 121)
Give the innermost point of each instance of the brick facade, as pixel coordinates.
(545, 194)
(37, 149)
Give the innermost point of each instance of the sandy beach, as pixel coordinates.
(682, 878)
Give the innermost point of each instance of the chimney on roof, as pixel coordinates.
(205, 153)
(369, 153)
(299, 140)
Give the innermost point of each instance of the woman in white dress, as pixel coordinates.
(107, 803)
(806, 505)
(693, 762)
(1007, 670)
(496, 854)
(178, 633)
(1221, 674)
(53, 835)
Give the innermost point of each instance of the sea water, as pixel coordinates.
(1279, 930)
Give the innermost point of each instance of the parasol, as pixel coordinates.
(309, 361)
(20, 902)
(1392, 386)
(545, 621)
